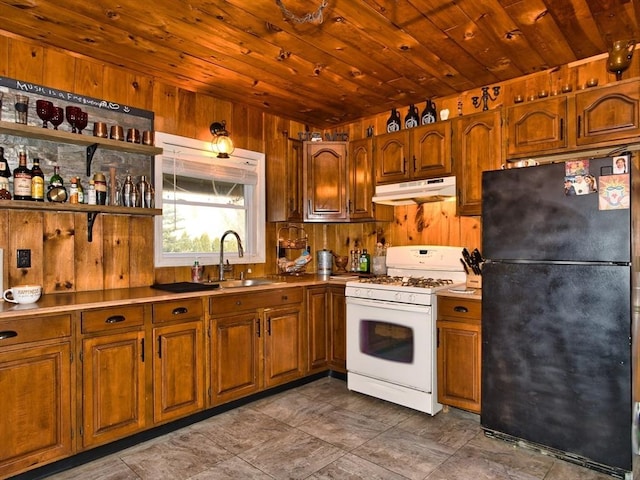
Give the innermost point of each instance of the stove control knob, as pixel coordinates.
(398, 296)
(370, 293)
(356, 292)
(412, 298)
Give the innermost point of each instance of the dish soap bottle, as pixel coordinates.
(365, 262)
(196, 271)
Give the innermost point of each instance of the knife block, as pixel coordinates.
(474, 281)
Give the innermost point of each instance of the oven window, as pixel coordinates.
(387, 341)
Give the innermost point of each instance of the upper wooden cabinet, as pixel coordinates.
(325, 181)
(608, 115)
(338, 181)
(532, 127)
(477, 146)
(284, 181)
(414, 154)
(598, 117)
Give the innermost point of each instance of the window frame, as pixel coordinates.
(254, 244)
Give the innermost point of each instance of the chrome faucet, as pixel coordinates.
(240, 251)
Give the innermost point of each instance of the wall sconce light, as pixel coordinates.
(221, 143)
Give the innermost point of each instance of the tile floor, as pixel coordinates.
(322, 431)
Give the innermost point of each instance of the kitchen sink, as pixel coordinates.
(248, 282)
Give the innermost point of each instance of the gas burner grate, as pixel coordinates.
(419, 282)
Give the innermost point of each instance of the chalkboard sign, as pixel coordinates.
(36, 89)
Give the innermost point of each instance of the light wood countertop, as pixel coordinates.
(67, 302)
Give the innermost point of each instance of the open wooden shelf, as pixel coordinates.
(77, 207)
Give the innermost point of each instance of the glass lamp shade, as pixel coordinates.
(222, 145)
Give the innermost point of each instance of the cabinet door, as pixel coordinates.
(283, 350)
(317, 329)
(293, 173)
(361, 183)
(431, 150)
(113, 387)
(325, 177)
(459, 357)
(536, 127)
(609, 114)
(391, 157)
(477, 141)
(338, 328)
(35, 401)
(235, 356)
(178, 374)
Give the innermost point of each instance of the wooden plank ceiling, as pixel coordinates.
(364, 58)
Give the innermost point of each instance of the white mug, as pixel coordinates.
(23, 294)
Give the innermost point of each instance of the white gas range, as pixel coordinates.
(391, 325)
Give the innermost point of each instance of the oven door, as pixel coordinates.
(391, 341)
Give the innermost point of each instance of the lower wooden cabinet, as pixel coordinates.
(178, 359)
(459, 352)
(35, 392)
(113, 374)
(326, 328)
(257, 342)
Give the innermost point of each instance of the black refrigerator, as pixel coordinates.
(559, 310)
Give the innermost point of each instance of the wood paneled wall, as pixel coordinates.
(121, 254)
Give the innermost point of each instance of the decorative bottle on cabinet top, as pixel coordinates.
(429, 114)
(412, 119)
(393, 123)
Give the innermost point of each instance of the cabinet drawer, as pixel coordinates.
(459, 308)
(254, 300)
(112, 318)
(22, 330)
(188, 308)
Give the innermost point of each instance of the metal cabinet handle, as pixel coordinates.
(562, 129)
(269, 326)
(8, 334)
(142, 348)
(258, 327)
(461, 309)
(579, 125)
(415, 166)
(179, 310)
(285, 297)
(115, 319)
(159, 346)
(238, 302)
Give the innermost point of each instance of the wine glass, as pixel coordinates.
(72, 116)
(81, 121)
(57, 117)
(44, 109)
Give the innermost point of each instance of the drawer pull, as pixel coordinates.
(115, 319)
(460, 309)
(238, 302)
(180, 310)
(8, 334)
(285, 297)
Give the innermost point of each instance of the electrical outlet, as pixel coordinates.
(24, 258)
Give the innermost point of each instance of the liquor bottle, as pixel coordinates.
(80, 190)
(5, 172)
(56, 179)
(37, 182)
(22, 179)
(412, 119)
(91, 193)
(429, 114)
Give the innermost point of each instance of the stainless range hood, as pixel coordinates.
(420, 191)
